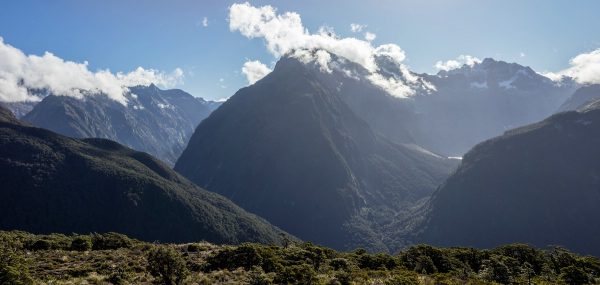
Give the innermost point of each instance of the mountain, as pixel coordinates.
(53, 183)
(539, 184)
(155, 121)
(478, 102)
(289, 149)
(581, 97)
(19, 109)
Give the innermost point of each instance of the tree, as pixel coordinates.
(167, 264)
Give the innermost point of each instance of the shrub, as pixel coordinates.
(296, 274)
(118, 277)
(339, 264)
(110, 241)
(41, 244)
(81, 243)
(167, 264)
(245, 255)
(403, 278)
(13, 267)
(574, 275)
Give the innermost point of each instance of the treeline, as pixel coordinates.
(117, 259)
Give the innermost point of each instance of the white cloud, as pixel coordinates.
(457, 63)
(205, 22)
(255, 71)
(370, 36)
(356, 28)
(584, 68)
(20, 73)
(284, 34)
(522, 54)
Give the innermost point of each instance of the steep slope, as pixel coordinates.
(478, 102)
(289, 149)
(581, 97)
(155, 121)
(538, 184)
(19, 109)
(52, 183)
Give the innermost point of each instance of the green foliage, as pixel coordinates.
(403, 278)
(168, 265)
(110, 241)
(573, 275)
(296, 274)
(133, 262)
(246, 256)
(81, 243)
(13, 267)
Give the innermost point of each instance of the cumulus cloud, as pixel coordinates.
(255, 71)
(205, 22)
(370, 36)
(20, 74)
(284, 34)
(457, 63)
(356, 28)
(584, 68)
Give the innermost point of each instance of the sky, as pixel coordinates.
(190, 44)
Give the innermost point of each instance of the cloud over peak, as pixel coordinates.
(457, 63)
(284, 34)
(20, 73)
(255, 71)
(584, 68)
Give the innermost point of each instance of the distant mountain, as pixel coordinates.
(290, 149)
(156, 121)
(478, 102)
(19, 109)
(581, 97)
(539, 184)
(52, 183)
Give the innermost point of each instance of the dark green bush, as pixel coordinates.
(167, 264)
(339, 264)
(110, 241)
(81, 243)
(574, 275)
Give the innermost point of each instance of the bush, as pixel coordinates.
(118, 277)
(296, 274)
(339, 264)
(41, 244)
(13, 267)
(81, 243)
(574, 275)
(167, 264)
(245, 255)
(403, 278)
(110, 241)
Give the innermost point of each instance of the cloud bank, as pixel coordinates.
(584, 68)
(20, 74)
(284, 34)
(255, 71)
(457, 63)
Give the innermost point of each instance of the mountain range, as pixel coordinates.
(155, 121)
(52, 183)
(538, 184)
(289, 149)
(323, 151)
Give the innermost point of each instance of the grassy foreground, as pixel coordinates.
(116, 259)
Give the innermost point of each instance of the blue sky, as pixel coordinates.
(122, 35)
